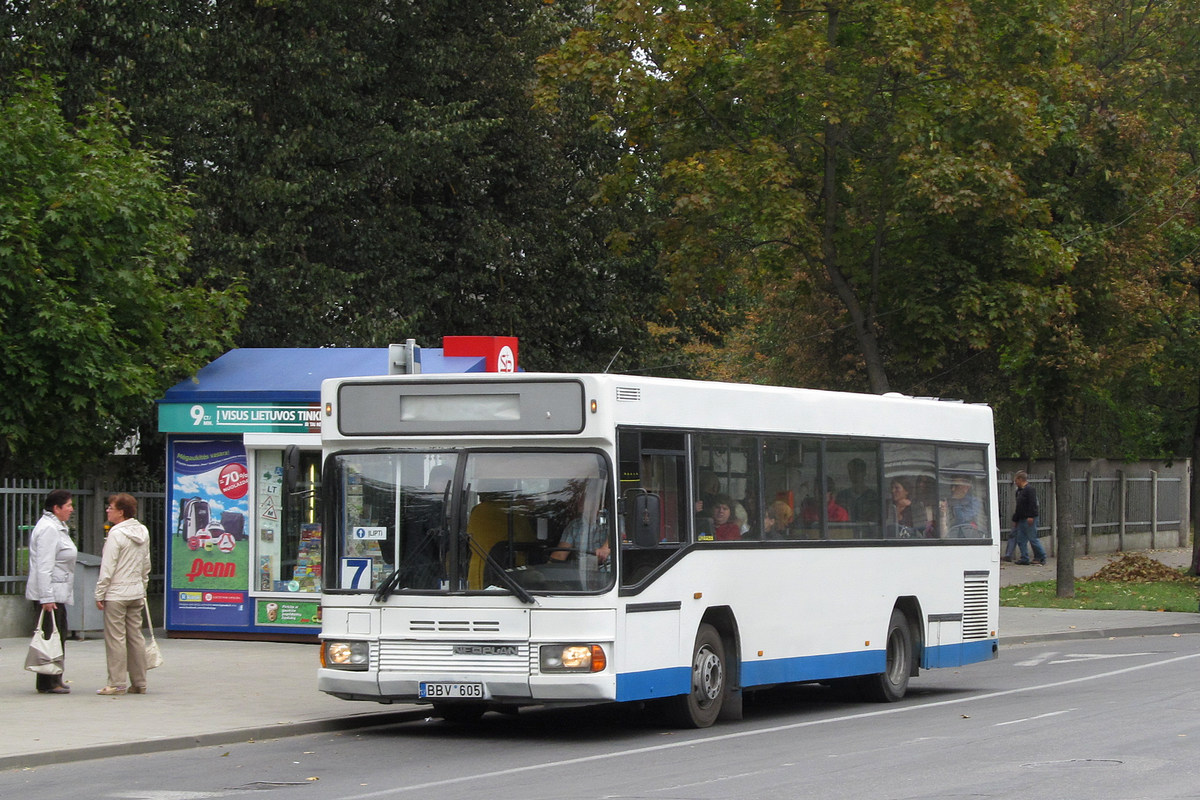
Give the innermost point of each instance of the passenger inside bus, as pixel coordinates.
(961, 512)
(741, 517)
(900, 509)
(860, 499)
(725, 527)
(779, 517)
(582, 535)
(925, 505)
(708, 486)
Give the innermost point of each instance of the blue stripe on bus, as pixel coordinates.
(956, 655)
(812, 668)
(653, 683)
(677, 680)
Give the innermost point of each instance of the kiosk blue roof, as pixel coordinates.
(294, 374)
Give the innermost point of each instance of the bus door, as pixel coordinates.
(654, 526)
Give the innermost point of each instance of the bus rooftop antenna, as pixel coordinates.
(611, 360)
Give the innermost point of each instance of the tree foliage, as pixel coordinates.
(374, 171)
(853, 153)
(94, 323)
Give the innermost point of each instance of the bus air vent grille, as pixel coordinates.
(975, 607)
(454, 626)
(476, 658)
(629, 394)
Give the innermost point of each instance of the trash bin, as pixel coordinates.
(82, 615)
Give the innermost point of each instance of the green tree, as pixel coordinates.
(859, 157)
(94, 323)
(1111, 181)
(373, 170)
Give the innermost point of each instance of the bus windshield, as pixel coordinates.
(441, 522)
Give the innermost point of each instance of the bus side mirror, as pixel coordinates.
(645, 520)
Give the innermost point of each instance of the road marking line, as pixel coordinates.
(1031, 719)
(1075, 658)
(1035, 661)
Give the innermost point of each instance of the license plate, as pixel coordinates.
(450, 691)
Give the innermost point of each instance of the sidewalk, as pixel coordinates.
(207, 692)
(1010, 574)
(213, 692)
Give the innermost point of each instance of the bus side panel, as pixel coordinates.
(651, 664)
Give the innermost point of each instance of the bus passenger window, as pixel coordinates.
(790, 471)
(910, 504)
(727, 481)
(858, 492)
(962, 511)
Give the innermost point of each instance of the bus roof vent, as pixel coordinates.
(629, 394)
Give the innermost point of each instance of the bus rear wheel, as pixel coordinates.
(700, 707)
(891, 684)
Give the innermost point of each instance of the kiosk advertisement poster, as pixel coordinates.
(210, 551)
(293, 613)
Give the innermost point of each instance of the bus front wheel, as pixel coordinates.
(700, 707)
(891, 684)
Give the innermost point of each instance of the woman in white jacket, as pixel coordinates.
(120, 594)
(51, 584)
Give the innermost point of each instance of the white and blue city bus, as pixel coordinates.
(496, 541)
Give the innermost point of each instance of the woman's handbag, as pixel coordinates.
(153, 654)
(45, 653)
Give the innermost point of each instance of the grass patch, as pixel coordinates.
(1114, 595)
(1132, 582)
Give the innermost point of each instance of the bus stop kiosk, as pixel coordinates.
(243, 556)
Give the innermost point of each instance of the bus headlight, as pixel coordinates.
(344, 655)
(572, 658)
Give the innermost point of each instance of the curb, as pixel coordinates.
(1101, 633)
(233, 736)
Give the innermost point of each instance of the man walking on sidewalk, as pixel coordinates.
(1026, 518)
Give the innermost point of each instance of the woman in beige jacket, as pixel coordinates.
(121, 593)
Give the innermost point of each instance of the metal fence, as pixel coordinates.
(21, 508)
(1112, 513)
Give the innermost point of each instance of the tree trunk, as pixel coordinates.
(1065, 518)
(1195, 495)
(862, 315)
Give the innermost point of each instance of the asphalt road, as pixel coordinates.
(1097, 719)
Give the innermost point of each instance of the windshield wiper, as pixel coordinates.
(405, 569)
(508, 580)
(389, 585)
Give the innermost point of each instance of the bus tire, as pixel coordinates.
(700, 707)
(460, 712)
(891, 684)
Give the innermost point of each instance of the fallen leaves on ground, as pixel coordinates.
(1137, 568)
